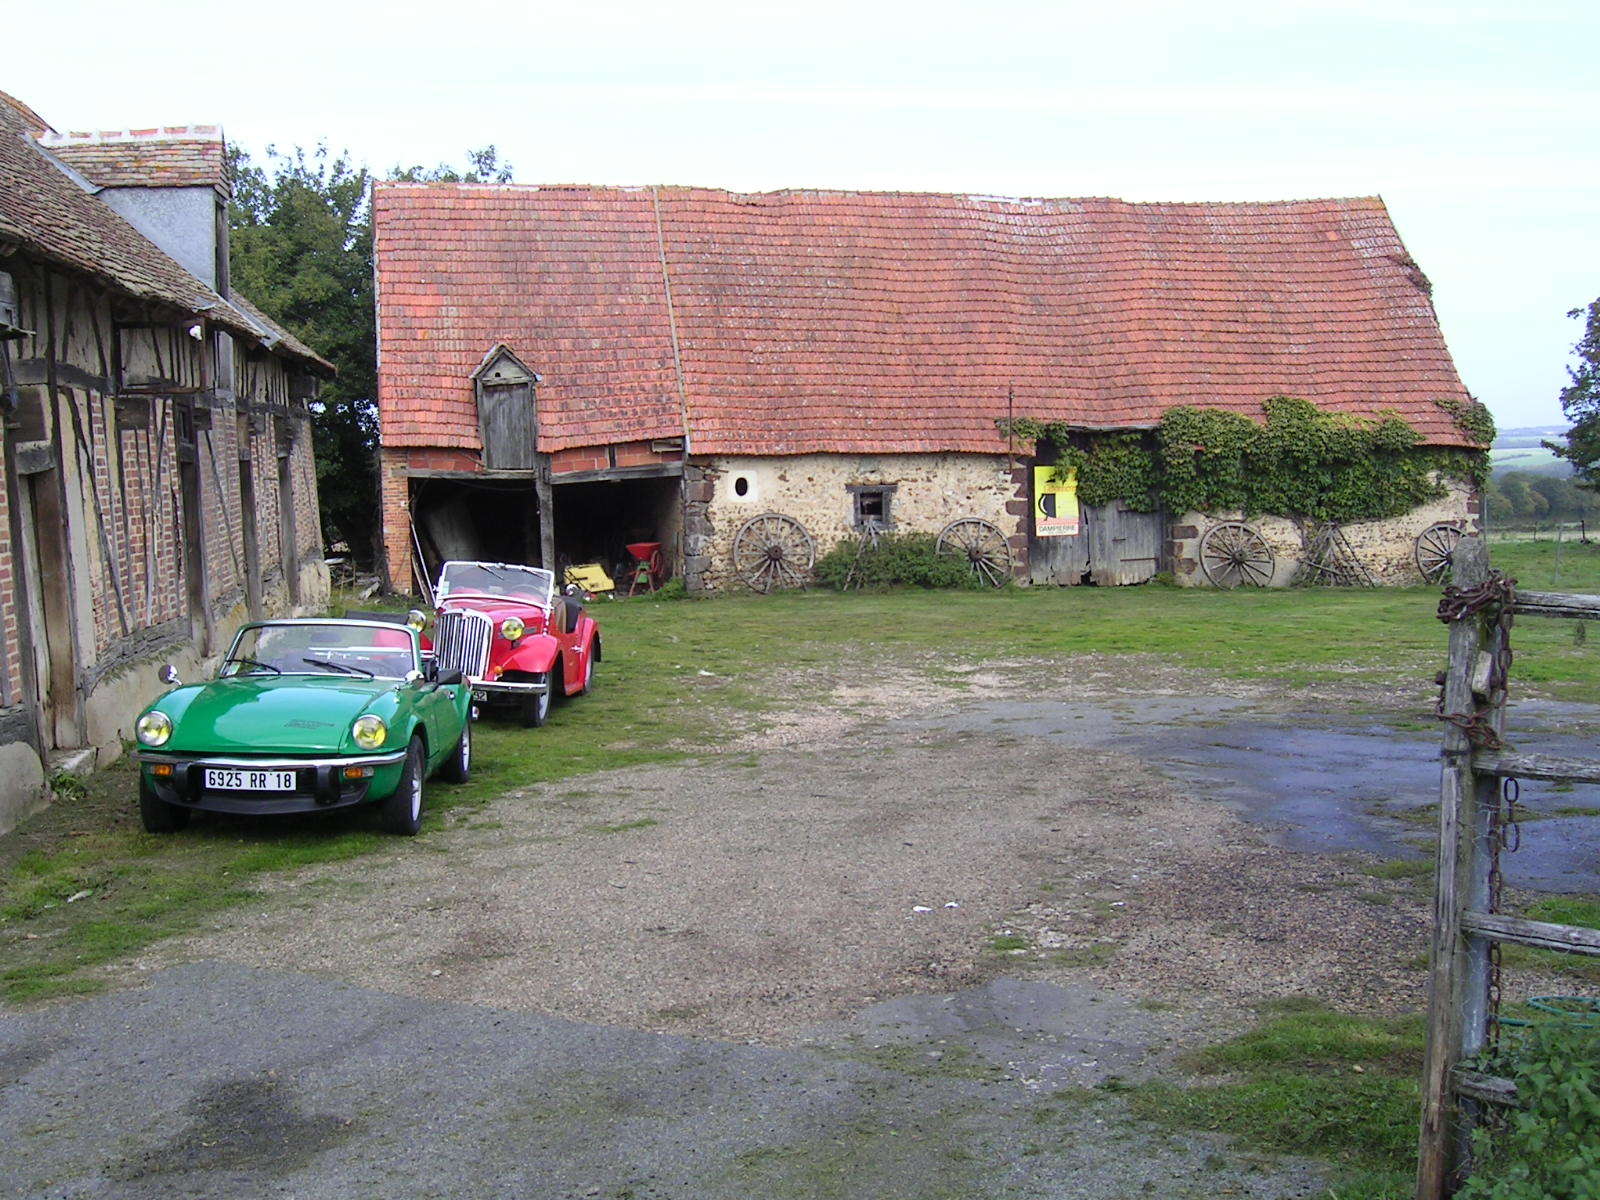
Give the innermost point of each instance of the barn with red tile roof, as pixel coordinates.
(695, 358)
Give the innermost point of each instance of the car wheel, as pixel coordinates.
(156, 815)
(536, 708)
(402, 811)
(458, 767)
(588, 672)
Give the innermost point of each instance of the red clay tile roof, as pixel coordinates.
(871, 322)
(169, 156)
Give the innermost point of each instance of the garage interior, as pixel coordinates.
(498, 520)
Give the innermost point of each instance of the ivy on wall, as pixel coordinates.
(1301, 462)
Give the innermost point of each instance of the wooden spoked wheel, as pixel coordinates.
(1235, 555)
(773, 551)
(1436, 551)
(985, 548)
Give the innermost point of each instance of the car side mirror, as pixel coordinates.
(168, 675)
(450, 679)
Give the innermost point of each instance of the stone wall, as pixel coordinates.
(930, 491)
(1385, 548)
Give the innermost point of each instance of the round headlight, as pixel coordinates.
(417, 619)
(511, 628)
(369, 732)
(154, 729)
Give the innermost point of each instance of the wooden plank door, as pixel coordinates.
(508, 427)
(1124, 545)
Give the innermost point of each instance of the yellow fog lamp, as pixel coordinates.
(358, 772)
(417, 619)
(154, 729)
(162, 770)
(511, 628)
(369, 732)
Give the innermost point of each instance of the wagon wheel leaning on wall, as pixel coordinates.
(1234, 554)
(1436, 550)
(985, 548)
(773, 551)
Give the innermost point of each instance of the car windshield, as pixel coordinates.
(497, 579)
(317, 648)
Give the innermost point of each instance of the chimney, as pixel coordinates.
(170, 183)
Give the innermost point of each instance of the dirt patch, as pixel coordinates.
(829, 860)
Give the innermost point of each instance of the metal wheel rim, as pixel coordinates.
(416, 790)
(984, 546)
(1233, 555)
(544, 699)
(772, 552)
(466, 745)
(1436, 549)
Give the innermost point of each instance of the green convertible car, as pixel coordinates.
(305, 716)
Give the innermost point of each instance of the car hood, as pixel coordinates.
(499, 608)
(294, 714)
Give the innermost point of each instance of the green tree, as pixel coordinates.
(301, 249)
(1580, 400)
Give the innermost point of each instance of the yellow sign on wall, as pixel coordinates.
(1055, 502)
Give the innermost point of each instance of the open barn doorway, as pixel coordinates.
(485, 520)
(596, 521)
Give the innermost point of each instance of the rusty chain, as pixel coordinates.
(1496, 595)
(1505, 834)
(1458, 603)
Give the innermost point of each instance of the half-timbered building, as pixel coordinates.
(157, 484)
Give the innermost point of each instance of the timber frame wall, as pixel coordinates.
(158, 487)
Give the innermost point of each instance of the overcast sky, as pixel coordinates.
(1477, 123)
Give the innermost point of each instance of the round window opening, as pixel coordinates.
(741, 486)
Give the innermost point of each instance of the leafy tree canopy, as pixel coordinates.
(1580, 400)
(301, 249)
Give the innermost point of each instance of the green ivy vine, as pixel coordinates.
(1300, 462)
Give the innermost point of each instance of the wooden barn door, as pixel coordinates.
(1124, 546)
(506, 422)
(1108, 544)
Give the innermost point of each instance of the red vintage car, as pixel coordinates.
(516, 640)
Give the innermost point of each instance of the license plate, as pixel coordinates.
(481, 696)
(218, 780)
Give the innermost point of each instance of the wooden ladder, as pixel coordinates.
(1475, 763)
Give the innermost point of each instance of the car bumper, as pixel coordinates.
(320, 783)
(492, 690)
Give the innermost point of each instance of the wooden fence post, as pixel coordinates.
(1452, 962)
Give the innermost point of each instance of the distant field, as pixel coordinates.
(1535, 459)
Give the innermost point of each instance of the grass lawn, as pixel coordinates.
(83, 885)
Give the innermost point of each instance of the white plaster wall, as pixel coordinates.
(931, 490)
(1385, 548)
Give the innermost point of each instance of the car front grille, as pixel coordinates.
(461, 642)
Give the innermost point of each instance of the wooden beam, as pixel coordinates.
(666, 470)
(1538, 766)
(530, 476)
(1545, 935)
(1557, 604)
(1490, 1089)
